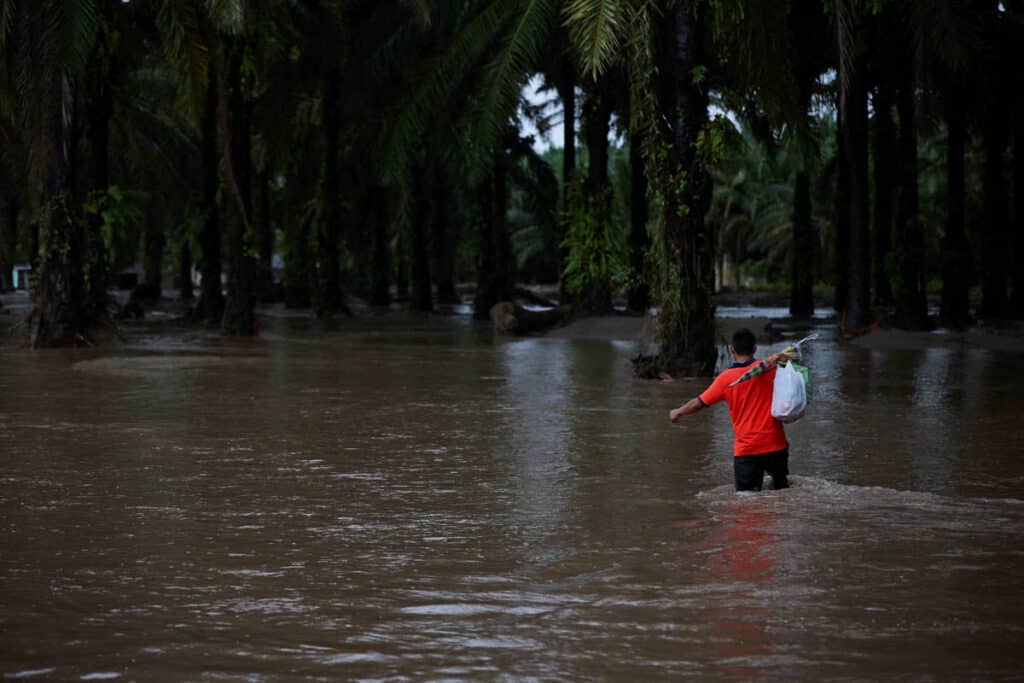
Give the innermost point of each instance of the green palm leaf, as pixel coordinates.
(507, 73)
(595, 28)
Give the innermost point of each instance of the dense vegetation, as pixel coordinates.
(869, 147)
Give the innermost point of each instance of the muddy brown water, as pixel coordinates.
(414, 500)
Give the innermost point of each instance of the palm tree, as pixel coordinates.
(51, 42)
(669, 107)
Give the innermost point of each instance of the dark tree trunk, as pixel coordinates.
(444, 247)
(995, 233)
(639, 298)
(842, 275)
(401, 265)
(153, 254)
(265, 277)
(801, 302)
(493, 277)
(8, 240)
(266, 222)
(61, 317)
(71, 281)
(567, 93)
(855, 111)
(329, 300)
(911, 299)
(885, 180)
(185, 269)
(100, 106)
(210, 307)
(597, 112)
(686, 323)
(1017, 272)
(380, 293)
(422, 298)
(298, 266)
(239, 310)
(956, 253)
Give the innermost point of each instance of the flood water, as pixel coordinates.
(416, 500)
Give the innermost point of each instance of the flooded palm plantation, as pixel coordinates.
(396, 499)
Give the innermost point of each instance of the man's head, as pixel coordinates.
(744, 343)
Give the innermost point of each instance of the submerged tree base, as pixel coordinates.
(659, 365)
(63, 331)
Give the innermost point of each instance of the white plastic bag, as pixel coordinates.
(789, 394)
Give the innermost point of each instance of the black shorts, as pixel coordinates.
(750, 469)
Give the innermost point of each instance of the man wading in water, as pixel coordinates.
(760, 444)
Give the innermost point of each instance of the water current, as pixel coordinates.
(396, 499)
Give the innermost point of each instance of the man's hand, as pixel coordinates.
(691, 406)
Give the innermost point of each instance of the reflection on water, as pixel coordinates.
(412, 499)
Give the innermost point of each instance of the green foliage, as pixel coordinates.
(597, 255)
(119, 211)
(717, 140)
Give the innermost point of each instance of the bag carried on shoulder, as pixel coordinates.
(789, 393)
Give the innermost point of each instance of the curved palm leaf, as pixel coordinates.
(596, 30)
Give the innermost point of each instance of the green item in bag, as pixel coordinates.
(806, 374)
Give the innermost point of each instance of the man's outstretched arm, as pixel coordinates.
(688, 408)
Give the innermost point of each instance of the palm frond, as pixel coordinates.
(596, 30)
(179, 24)
(509, 70)
(227, 15)
(77, 22)
(845, 44)
(432, 85)
(7, 11)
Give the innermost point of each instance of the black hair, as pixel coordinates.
(744, 342)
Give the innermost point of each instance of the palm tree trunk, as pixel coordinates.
(493, 276)
(298, 265)
(239, 316)
(911, 299)
(597, 112)
(567, 93)
(421, 296)
(265, 279)
(639, 291)
(801, 302)
(401, 267)
(855, 111)
(380, 293)
(8, 236)
(1017, 272)
(100, 112)
(185, 269)
(884, 148)
(328, 300)
(686, 322)
(956, 253)
(153, 254)
(842, 274)
(995, 232)
(210, 307)
(61, 316)
(444, 246)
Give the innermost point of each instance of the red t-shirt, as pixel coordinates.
(750, 407)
